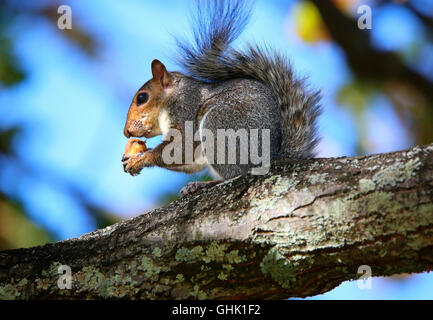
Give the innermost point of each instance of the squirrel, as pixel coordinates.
(222, 88)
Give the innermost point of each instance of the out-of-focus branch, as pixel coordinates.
(365, 61)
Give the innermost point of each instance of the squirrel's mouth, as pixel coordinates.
(149, 134)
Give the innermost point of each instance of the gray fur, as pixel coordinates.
(254, 88)
(243, 104)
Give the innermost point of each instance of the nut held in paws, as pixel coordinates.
(134, 146)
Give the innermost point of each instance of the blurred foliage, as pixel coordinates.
(10, 72)
(390, 73)
(6, 137)
(16, 228)
(77, 35)
(308, 24)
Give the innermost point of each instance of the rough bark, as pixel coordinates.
(298, 231)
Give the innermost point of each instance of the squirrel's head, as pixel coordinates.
(143, 114)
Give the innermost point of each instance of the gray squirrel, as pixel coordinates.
(222, 88)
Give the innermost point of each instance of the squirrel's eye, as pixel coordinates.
(142, 98)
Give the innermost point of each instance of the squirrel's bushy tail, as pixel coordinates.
(217, 24)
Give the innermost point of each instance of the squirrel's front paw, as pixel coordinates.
(133, 164)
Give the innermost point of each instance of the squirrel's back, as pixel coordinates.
(211, 59)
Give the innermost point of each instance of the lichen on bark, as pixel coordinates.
(297, 231)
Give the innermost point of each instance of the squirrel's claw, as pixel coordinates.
(132, 164)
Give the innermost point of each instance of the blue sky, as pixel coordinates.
(75, 107)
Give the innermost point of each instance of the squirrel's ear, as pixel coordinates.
(160, 73)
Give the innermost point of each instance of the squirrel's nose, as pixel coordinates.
(126, 133)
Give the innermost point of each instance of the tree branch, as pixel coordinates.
(298, 231)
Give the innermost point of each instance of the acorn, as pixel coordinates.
(134, 146)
